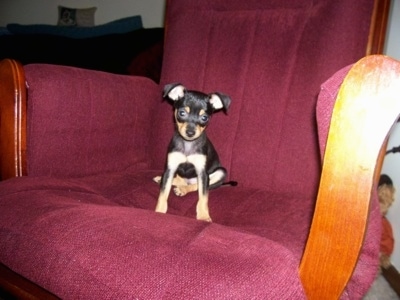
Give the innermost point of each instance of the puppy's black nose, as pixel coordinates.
(190, 132)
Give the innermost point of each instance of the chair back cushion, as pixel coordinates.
(271, 57)
(62, 142)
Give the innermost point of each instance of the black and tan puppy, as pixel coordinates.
(192, 162)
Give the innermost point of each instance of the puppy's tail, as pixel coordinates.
(230, 183)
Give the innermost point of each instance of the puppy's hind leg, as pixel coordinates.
(177, 181)
(216, 178)
(157, 179)
(185, 186)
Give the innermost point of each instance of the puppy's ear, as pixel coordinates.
(174, 91)
(220, 101)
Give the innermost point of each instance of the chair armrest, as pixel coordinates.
(12, 119)
(366, 108)
(43, 135)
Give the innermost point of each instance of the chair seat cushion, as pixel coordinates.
(98, 237)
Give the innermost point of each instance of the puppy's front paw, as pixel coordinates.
(206, 218)
(203, 215)
(161, 207)
(157, 179)
(202, 212)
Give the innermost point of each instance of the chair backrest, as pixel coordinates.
(271, 58)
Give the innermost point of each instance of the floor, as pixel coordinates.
(381, 290)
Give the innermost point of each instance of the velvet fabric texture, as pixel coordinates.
(81, 224)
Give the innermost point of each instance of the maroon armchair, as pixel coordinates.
(78, 221)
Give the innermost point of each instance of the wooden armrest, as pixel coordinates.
(14, 286)
(12, 119)
(367, 106)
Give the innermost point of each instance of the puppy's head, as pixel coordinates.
(193, 109)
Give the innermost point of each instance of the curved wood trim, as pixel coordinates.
(12, 119)
(379, 21)
(14, 286)
(367, 106)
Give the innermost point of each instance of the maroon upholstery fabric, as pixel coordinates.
(97, 238)
(271, 58)
(81, 224)
(80, 124)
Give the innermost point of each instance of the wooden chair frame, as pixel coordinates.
(324, 274)
(371, 94)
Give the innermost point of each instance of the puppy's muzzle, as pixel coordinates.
(190, 130)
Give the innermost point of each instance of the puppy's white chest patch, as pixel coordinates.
(177, 158)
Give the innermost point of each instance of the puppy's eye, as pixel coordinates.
(204, 118)
(182, 113)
